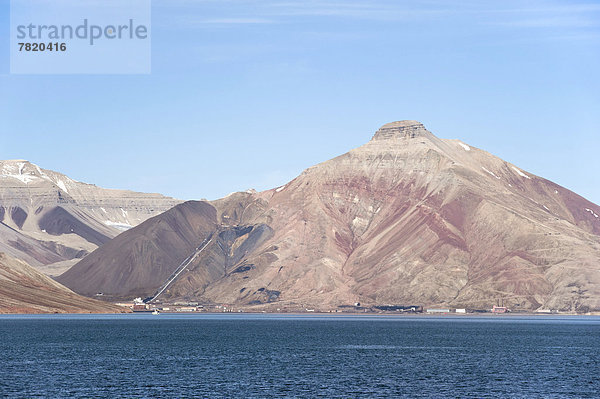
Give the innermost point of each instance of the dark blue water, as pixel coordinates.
(267, 356)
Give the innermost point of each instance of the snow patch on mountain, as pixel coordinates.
(464, 146)
(490, 172)
(15, 171)
(27, 172)
(520, 173)
(592, 212)
(117, 225)
(40, 171)
(61, 185)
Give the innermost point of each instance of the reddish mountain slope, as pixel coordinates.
(408, 218)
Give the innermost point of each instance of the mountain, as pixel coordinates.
(406, 219)
(25, 290)
(51, 221)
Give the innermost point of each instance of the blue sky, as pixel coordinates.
(247, 94)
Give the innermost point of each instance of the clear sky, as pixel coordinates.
(247, 94)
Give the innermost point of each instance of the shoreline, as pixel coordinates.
(311, 315)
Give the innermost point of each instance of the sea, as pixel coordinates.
(292, 356)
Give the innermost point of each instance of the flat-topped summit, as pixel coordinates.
(401, 130)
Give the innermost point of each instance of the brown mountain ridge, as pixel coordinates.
(405, 219)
